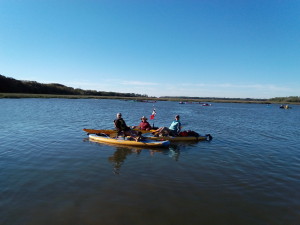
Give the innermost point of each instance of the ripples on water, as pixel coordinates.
(51, 174)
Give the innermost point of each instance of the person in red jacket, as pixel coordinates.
(144, 125)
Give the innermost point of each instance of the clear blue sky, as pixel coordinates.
(204, 48)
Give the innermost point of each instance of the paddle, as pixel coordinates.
(109, 132)
(92, 131)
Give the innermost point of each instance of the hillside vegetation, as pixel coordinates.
(11, 85)
(12, 88)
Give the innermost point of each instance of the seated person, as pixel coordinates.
(122, 128)
(173, 130)
(144, 125)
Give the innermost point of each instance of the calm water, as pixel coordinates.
(51, 174)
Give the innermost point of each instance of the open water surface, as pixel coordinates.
(50, 173)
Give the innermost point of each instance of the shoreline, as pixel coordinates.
(248, 101)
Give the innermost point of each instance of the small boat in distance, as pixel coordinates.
(206, 104)
(285, 107)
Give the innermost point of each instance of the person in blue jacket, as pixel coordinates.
(173, 130)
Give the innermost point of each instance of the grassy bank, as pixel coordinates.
(18, 95)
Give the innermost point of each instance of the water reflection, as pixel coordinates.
(122, 152)
(120, 155)
(174, 152)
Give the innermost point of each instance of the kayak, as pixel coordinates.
(109, 132)
(122, 141)
(206, 137)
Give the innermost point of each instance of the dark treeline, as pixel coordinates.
(11, 85)
(290, 99)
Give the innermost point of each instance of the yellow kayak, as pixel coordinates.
(121, 141)
(206, 137)
(109, 132)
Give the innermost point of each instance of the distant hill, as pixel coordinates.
(11, 85)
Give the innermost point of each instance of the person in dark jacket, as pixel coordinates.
(120, 124)
(123, 129)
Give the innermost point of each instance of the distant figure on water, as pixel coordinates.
(285, 107)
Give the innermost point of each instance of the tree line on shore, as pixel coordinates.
(11, 85)
(291, 99)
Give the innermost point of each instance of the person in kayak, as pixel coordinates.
(173, 130)
(123, 129)
(144, 125)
